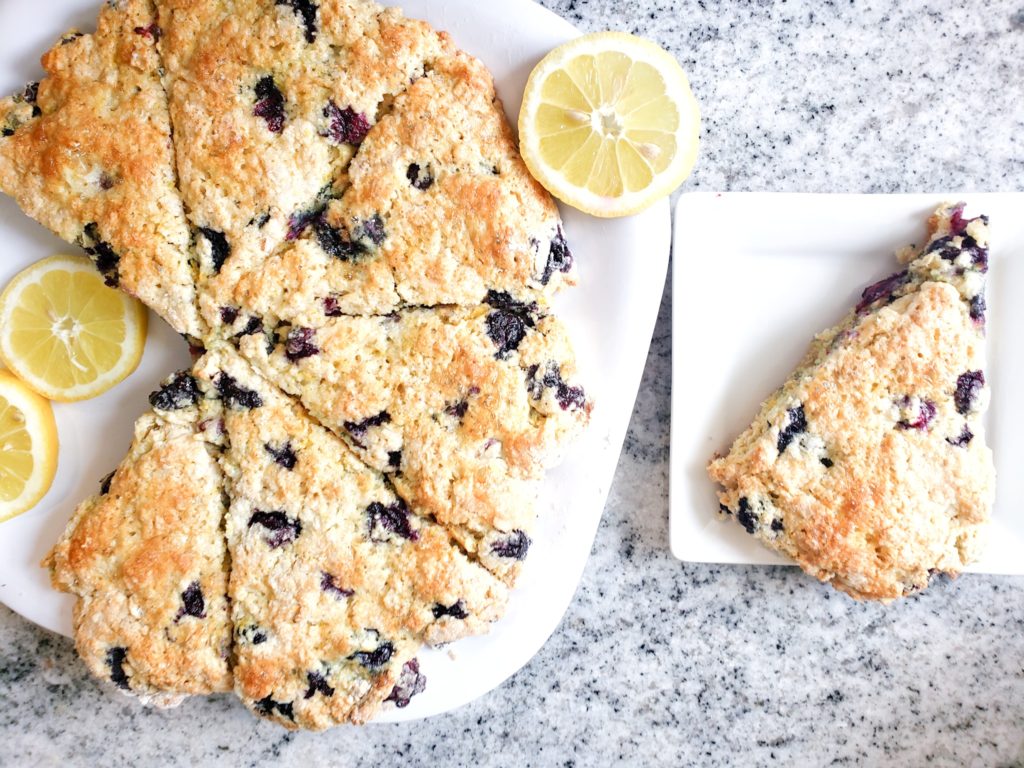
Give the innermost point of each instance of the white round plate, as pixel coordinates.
(623, 263)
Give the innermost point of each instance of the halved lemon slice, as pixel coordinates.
(66, 334)
(609, 124)
(28, 446)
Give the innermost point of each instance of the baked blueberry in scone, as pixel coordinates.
(335, 581)
(869, 465)
(87, 153)
(147, 560)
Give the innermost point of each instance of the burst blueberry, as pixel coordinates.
(299, 344)
(410, 683)
(745, 516)
(968, 385)
(345, 126)
(283, 455)
(513, 546)
(796, 423)
(922, 415)
(103, 255)
(235, 395)
(977, 308)
(267, 706)
(219, 247)
(116, 658)
(883, 289)
(330, 585)
(269, 104)
(359, 429)
(364, 239)
(178, 393)
(393, 518)
(567, 397)
(963, 439)
(192, 602)
(559, 257)
(456, 610)
(374, 660)
(279, 528)
(420, 177)
(317, 684)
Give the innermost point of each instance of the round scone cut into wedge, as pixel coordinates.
(349, 471)
(65, 333)
(609, 124)
(869, 466)
(28, 447)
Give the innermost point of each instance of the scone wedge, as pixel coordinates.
(869, 466)
(147, 560)
(87, 153)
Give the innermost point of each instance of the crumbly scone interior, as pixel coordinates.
(146, 558)
(87, 153)
(869, 466)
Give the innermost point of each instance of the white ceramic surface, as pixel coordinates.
(756, 276)
(623, 265)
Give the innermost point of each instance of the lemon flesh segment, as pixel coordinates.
(65, 333)
(609, 124)
(28, 447)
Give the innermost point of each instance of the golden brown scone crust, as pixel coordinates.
(147, 560)
(89, 156)
(869, 467)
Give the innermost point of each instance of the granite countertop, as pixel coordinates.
(658, 661)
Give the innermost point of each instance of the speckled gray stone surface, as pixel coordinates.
(658, 662)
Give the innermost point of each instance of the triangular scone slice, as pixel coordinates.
(869, 466)
(334, 583)
(87, 153)
(440, 209)
(464, 408)
(146, 558)
(269, 99)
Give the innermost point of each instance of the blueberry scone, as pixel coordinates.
(463, 408)
(335, 581)
(87, 153)
(147, 560)
(869, 466)
(327, 199)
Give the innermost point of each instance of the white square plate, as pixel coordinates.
(755, 276)
(611, 317)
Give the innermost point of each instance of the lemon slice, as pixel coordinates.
(609, 124)
(28, 446)
(66, 334)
